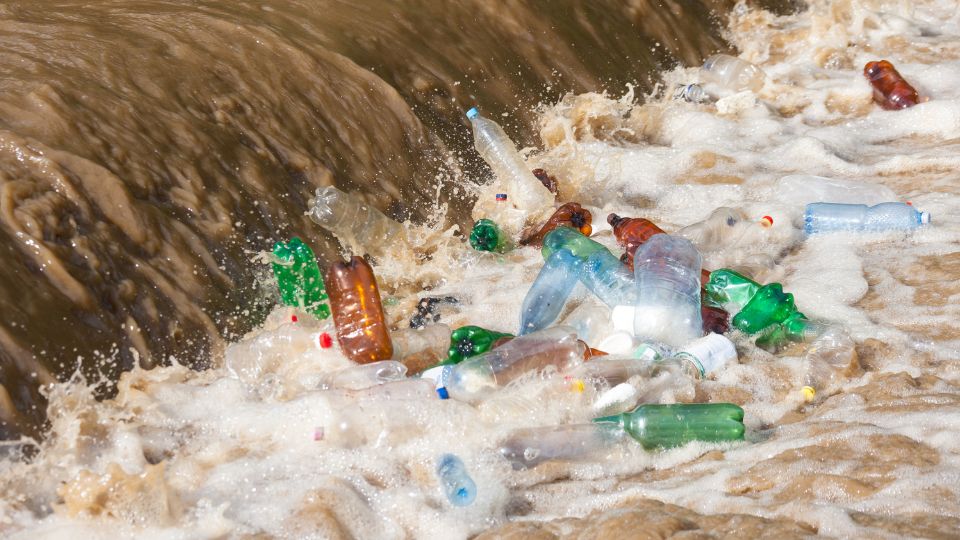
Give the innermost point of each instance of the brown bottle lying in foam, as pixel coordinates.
(355, 302)
(569, 215)
(890, 89)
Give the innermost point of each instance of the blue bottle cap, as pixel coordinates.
(442, 392)
(473, 113)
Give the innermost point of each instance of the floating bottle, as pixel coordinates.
(602, 273)
(668, 426)
(549, 292)
(569, 215)
(527, 448)
(364, 375)
(796, 329)
(418, 349)
(732, 73)
(457, 485)
(298, 277)
(802, 189)
(827, 362)
(354, 221)
(715, 319)
(890, 89)
(524, 190)
(770, 305)
(591, 322)
(469, 341)
(472, 379)
(692, 93)
(487, 236)
(667, 306)
(355, 301)
(377, 420)
(724, 228)
(571, 240)
(830, 217)
(631, 233)
(729, 290)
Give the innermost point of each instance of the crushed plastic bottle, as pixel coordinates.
(421, 348)
(667, 306)
(770, 305)
(298, 277)
(354, 221)
(829, 360)
(729, 290)
(890, 89)
(469, 341)
(732, 73)
(830, 217)
(568, 215)
(549, 292)
(692, 93)
(472, 379)
(364, 375)
(455, 481)
(803, 189)
(355, 301)
(668, 426)
(487, 236)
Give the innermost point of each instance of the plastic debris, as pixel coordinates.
(487, 236)
(298, 277)
(355, 301)
(568, 215)
(890, 89)
(732, 73)
(354, 221)
(831, 217)
(457, 485)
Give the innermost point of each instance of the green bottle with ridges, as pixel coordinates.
(298, 277)
(487, 236)
(770, 305)
(668, 426)
(470, 341)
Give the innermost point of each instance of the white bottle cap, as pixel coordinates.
(622, 318)
(924, 217)
(618, 343)
(711, 352)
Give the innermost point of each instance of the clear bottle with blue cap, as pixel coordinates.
(457, 485)
(834, 217)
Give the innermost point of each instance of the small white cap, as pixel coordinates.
(618, 343)
(924, 217)
(622, 318)
(712, 352)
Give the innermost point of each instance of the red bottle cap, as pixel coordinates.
(326, 341)
(293, 318)
(766, 221)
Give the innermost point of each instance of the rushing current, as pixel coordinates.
(153, 151)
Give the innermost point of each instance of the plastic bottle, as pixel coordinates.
(631, 233)
(667, 306)
(487, 236)
(802, 189)
(730, 290)
(527, 448)
(591, 322)
(549, 292)
(715, 319)
(667, 426)
(608, 279)
(298, 277)
(421, 348)
(890, 89)
(469, 341)
(355, 301)
(723, 228)
(572, 240)
(364, 375)
(692, 93)
(732, 73)
(375, 421)
(830, 217)
(524, 190)
(796, 329)
(770, 305)
(827, 361)
(557, 346)
(355, 221)
(569, 215)
(548, 180)
(457, 485)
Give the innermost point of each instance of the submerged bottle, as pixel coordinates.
(353, 220)
(547, 179)
(732, 73)
(298, 277)
(802, 189)
(668, 426)
(723, 228)
(418, 349)
(469, 341)
(569, 215)
(890, 89)
(602, 273)
(667, 306)
(355, 301)
(571, 240)
(549, 292)
(457, 485)
(472, 379)
(524, 190)
(591, 322)
(830, 217)
(487, 236)
(715, 319)
(364, 375)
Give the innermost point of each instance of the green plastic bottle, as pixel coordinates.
(299, 278)
(729, 290)
(571, 240)
(487, 236)
(668, 426)
(770, 305)
(470, 341)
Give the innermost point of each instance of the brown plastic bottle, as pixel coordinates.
(715, 319)
(890, 89)
(355, 302)
(631, 233)
(569, 215)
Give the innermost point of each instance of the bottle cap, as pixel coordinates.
(808, 393)
(711, 352)
(618, 343)
(473, 113)
(766, 221)
(622, 318)
(924, 218)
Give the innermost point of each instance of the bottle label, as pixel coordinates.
(694, 360)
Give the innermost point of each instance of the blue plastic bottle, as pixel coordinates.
(831, 217)
(549, 291)
(457, 485)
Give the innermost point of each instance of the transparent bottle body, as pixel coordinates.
(732, 73)
(420, 348)
(803, 189)
(692, 93)
(353, 220)
(608, 279)
(527, 448)
(549, 292)
(831, 217)
(495, 147)
(455, 481)
(667, 270)
(591, 322)
(364, 375)
(830, 357)
(723, 228)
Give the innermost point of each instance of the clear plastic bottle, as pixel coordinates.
(591, 322)
(475, 377)
(723, 228)
(549, 292)
(829, 358)
(420, 348)
(732, 73)
(364, 375)
(692, 93)
(354, 221)
(527, 448)
(667, 308)
(830, 217)
(524, 190)
(803, 189)
(608, 279)
(457, 485)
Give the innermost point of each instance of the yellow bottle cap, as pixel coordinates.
(577, 385)
(808, 393)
